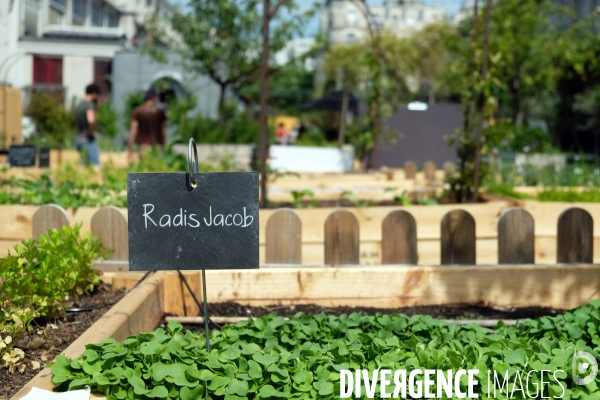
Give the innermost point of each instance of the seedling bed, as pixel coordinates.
(50, 337)
(539, 289)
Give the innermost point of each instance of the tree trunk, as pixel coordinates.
(481, 106)
(342, 132)
(222, 88)
(375, 106)
(264, 97)
(431, 96)
(517, 112)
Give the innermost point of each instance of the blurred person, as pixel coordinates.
(148, 125)
(282, 135)
(85, 118)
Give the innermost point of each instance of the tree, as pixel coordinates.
(380, 68)
(282, 30)
(222, 38)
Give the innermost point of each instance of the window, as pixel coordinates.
(79, 10)
(102, 74)
(420, 15)
(96, 14)
(113, 19)
(47, 70)
(350, 38)
(351, 18)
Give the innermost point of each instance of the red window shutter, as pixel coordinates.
(47, 70)
(39, 68)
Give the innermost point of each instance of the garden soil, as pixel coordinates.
(51, 337)
(468, 312)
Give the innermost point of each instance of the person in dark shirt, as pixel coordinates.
(148, 125)
(85, 117)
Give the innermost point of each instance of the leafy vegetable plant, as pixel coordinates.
(39, 277)
(301, 358)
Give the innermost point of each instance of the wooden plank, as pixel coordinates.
(458, 238)
(342, 238)
(399, 238)
(173, 294)
(111, 266)
(128, 280)
(48, 217)
(140, 310)
(557, 286)
(190, 306)
(516, 240)
(16, 221)
(429, 169)
(410, 170)
(284, 237)
(575, 243)
(110, 225)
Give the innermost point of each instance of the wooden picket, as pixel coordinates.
(429, 169)
(110, 225)
(341, 238)
(284, 237)
(516, 238)
(458, 238)
(399, 238)
(575, 241)
(410, 170)
(338, 243)
(48, 217)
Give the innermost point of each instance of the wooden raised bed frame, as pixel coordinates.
(558, 286)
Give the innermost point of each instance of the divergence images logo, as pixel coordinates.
(582, 363)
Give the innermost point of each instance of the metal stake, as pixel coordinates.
(193, 167)
(205, 310)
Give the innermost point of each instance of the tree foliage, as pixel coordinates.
(222, 38)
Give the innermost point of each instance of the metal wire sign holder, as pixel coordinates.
(191, 218)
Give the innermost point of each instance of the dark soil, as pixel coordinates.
(50, 337)
(442, 312)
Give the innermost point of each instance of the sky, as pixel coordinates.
(451, 6)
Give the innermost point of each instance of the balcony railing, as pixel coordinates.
(96, 32)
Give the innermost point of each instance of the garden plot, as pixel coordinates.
(318, 345)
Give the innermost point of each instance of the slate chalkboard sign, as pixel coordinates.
(173, 226)
(21, 155)
(44, 157)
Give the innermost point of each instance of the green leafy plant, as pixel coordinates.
(107, 119)
(301, 358)
(356, 202)
(54, 125)
(301, 197)
(38, 278)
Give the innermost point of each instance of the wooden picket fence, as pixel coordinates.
(516, 240)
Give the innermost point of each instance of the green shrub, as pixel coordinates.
(107, 119)
(54, 125)
(270, 357)
(38, 278)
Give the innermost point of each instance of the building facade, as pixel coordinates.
(345, 21)
(64, 45)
